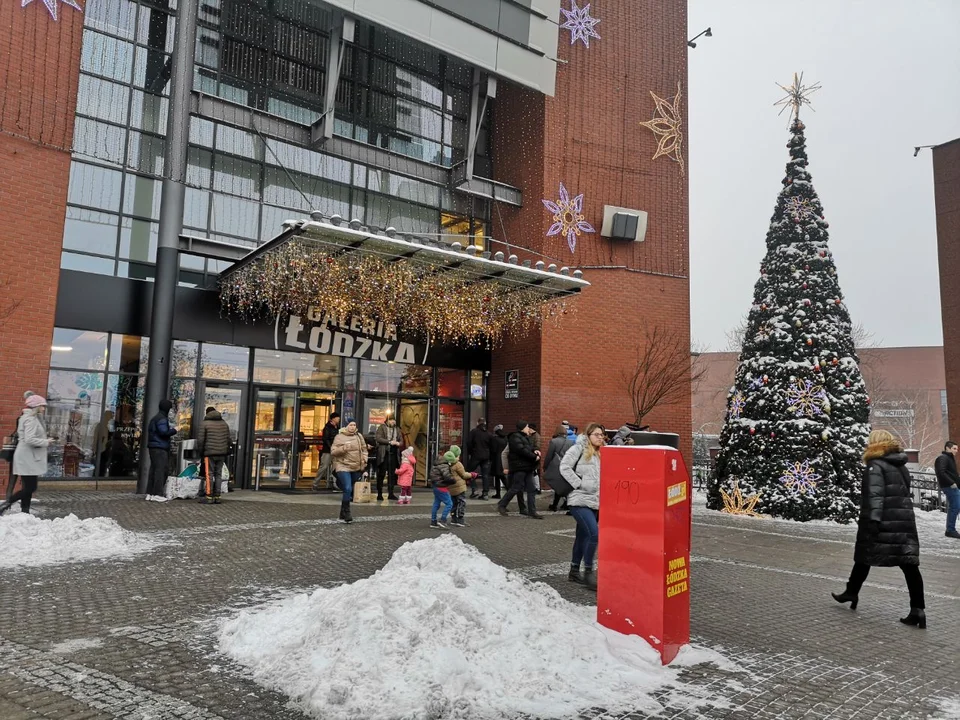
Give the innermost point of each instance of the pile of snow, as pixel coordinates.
(443, 632)
(26, 540)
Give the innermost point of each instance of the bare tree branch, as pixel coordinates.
(664, 372)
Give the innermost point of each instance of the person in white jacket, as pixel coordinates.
(581, 468)
(30, 457)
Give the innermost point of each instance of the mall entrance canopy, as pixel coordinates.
(442, 290)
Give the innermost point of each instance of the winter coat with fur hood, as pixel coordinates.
(887, 535)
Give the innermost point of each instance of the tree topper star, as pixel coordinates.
(579, 23)
(796, 96)
(668, 128)
(52, 6)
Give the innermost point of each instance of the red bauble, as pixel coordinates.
(804, 286)
(765, 378)
(806, 302)
(763, 307)
(809, 341)
(816, 368)
(847, 383)
(753, 431)
(868, 401)
(823, 253)
(834, 362)
(837, 301)
(773, 435)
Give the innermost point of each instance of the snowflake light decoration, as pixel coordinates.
(800, 477)
(756, 383)
(579, 23)
(806, 399)
(667, 127)
(52, 6)
(568, 217)
(736, 404)
(799, 209)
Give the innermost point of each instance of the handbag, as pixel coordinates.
(10, 443)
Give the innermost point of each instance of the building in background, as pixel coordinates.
(907, 388)
(442, 121)
(946, 186)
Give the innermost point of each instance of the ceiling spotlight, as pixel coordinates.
(706, 33)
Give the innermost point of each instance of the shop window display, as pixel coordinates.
(74, 400)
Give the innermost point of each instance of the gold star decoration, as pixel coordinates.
(797, 95)
(734, 502)
(667, 126)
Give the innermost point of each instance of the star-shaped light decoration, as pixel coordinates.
(579, 23)
(667, 126)
(800, 477)
(797, 95)
(568, 217)
(799, 208)
(806, 399)
(52, 6)
(734, 502)
(736, 404)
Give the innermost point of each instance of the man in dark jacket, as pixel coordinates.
(213, 441)
(946, 469)
(523, 461)
(498, 443)
(330, 431)
(159, 432)
(388, 442)
(479, 446)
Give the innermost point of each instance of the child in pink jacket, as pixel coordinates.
(405, 474)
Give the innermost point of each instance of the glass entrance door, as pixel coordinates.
(415, 428)
(273, 462)
(228, 399)
(313, 413)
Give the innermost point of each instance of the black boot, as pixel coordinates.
(916, 617)
(590, 578)
(846, 597)
(343, 510)
(574, 575)
(347, 516)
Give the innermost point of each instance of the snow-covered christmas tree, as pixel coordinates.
(797, 415)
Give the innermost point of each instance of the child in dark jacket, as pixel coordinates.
(440, 480)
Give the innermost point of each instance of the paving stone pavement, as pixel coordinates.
(135, 638)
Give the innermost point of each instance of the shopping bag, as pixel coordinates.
(182, 487)
(361, 492)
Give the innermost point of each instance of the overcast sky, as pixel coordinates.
(890, 71)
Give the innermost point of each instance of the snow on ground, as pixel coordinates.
(949, 709)
(29, 541)
(443, 632)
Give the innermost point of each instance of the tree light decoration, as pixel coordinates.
(667, 127)
(568, 218)
(580, 24)
(799, 208)
(736, 404)
(735, 503)
(52, 6)
(800, 477)
(806, 399)
(441, 304)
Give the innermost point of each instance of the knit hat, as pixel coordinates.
(350, 420)
(521, 424)
(35, 401)
(450, 457)
(455, 449)
(165, 406)
(407, 453)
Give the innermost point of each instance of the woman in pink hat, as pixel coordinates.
(30, 457)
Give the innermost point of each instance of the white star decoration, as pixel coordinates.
(52, 6)
(579, 23)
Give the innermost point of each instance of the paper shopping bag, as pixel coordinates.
(361, 492)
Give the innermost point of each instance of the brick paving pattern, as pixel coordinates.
(136, 638)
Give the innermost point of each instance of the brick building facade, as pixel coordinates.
(586, 135)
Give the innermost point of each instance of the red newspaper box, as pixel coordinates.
(644, 555)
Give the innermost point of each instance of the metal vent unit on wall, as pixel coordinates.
(624, 224)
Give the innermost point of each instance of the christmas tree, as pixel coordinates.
(797, 414)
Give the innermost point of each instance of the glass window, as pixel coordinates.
(149, 112)
(103, 99)
(82, 349)
(141, 197)
(451, 383)
(391, 377)
(224, 362)
(196, 208)
(236, 142)
(288, 368)
(99, 141)
(94, 187)
(87, 263)
(450, 424)
(234, 216)
(183, 358)
(183, 395)
(478, 409)
(90, 231)
(128, 354)
(138, 240)
(74, 400)
(136, 270)
(145, 153)
(107, 56)
(124, 399)
(113, 16)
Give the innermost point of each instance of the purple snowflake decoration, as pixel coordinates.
(800, 477)
(567, 217)
(52, 6)
(806, 399)
(736, 405)
(756, 383)
(799, 209)
(579, 23)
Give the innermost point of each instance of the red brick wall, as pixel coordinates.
(39, 68)
(946, 180)
(589, 138)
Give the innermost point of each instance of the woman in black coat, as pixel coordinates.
(887, 536)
